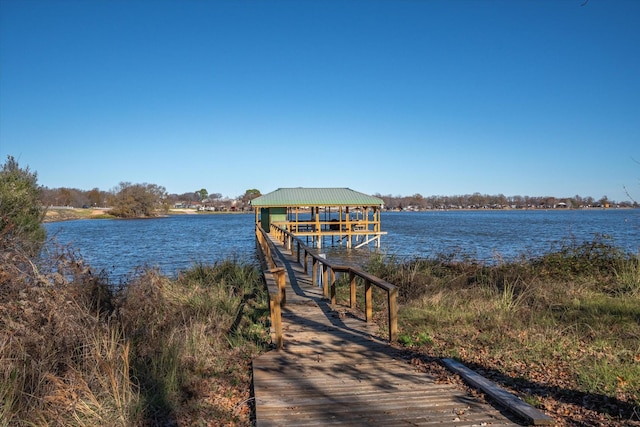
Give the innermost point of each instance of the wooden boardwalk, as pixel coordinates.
(334, 370)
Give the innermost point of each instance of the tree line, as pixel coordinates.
(128, 199)
(500, 201)
(125, 191)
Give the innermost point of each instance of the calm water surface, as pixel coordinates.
(177, 242)
(171, 244)
(487, 235)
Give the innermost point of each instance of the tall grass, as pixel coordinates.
(567, 322)
(74, 351)
(627, 272)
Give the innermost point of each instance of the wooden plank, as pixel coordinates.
(502, 396)
(411, 412)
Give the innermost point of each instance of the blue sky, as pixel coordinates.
(538, 98)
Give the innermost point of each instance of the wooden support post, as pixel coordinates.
(333, 287)
(314, 270)
(276, 319)
(368, 301)
(349, 227)
(325, 280)
(298, 253)
(268, 253)
(393, 314)
(317, 227)
(352, 284)
(281, 280)
(306, 262)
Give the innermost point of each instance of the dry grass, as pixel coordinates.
(67, 214)
(76, 352)
(563, 330)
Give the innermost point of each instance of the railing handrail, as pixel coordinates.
(334, 223)
(275, 284)
(268, 248)
(354, 272)
(338, 267)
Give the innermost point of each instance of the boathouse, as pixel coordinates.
(342, 215)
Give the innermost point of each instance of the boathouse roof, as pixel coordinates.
(300, 196)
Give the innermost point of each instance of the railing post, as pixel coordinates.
(325, 280)
(298, 251)
(281, 280)
(291, 244)
(306, 262)
(368, 304)
(333, 287)
(268, 251)
(352, 285)
(276, 318)
(393, 314)
(314, 270)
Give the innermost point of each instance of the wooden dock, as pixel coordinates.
(334, 369)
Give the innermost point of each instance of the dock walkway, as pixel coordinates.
(334, 369)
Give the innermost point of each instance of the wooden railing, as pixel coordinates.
(334, 225)
(329, 270)
(276, 280)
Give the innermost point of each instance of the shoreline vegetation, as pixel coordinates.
(69, 214)
(75, 351)
(561, 331)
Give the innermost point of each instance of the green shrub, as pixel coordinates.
(21, 213)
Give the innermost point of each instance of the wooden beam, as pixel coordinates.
(368, 301)
(503, 397)
(352, 286)
(392, 306)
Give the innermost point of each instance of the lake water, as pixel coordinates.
(171, 244)
(177, 242)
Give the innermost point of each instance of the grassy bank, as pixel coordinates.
(562, 331)
(75, 352)
(68, 214)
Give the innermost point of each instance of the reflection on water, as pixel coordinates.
(176, 242)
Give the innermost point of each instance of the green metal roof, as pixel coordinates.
(315, 197)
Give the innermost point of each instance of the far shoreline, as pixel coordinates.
(60, 214)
